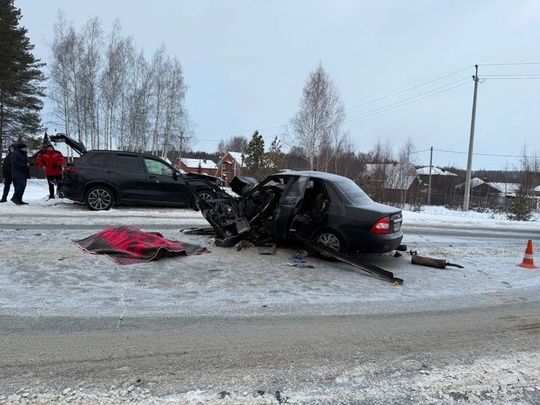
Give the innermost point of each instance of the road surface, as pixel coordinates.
(235, 327)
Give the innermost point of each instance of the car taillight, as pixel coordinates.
(71, 169)
(382, 226)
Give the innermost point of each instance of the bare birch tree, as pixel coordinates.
(90, 65)
(112, 81)
(176, 120)
(321, 114)
(237, 143)
(112, 96)
(65, 52)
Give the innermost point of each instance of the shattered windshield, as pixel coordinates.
(354, 194)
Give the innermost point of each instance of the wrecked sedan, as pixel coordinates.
(102, 179)
(308, 206)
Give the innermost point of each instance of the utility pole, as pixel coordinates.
(429, 181)
(471, 144)
(180, 149)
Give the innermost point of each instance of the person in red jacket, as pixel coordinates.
(52, 161)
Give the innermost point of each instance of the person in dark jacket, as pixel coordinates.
(20, 172)
(6, 173)
(52, 161)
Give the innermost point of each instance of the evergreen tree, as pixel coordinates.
(520, 209)
(276, 158)
(254, 156)
(20, 77)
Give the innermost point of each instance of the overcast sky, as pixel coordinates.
(246, 62)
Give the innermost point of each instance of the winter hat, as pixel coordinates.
(49, 146)
(22, 146)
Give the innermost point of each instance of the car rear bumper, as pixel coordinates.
(369, 242)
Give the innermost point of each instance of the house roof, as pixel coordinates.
(475, 182)
(503, 188)
(195, 163)
(435, 171)
(237, 156)
(506, 188)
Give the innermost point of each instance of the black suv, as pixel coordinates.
(105, 178)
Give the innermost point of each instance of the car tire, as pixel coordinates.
(332, 240)
(99, 198)
(205, 195)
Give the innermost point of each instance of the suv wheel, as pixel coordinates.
(99, 198)
(205, 195)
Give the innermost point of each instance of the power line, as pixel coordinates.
(513, 78)
(479, 154)
(400, 103)
(529, 74)
(410, 88)
(349, 108)
(405, 101)
(509, 64)
(240, 132)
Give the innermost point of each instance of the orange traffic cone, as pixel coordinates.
(528, 262)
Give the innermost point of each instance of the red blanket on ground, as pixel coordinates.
(130, 245)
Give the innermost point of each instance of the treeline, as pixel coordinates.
(109, 95)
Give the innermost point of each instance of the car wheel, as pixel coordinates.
(330, 240)
(99, 198)
(204, 195)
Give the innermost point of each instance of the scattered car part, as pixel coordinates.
(367, 267)
(431, 262)
(267, 249)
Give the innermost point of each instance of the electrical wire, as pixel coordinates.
(513, 78)
(478, 154)
(405, 101)
(399, 104)
(530, 74)
(349, 108)
(410, 88)
(509, 64)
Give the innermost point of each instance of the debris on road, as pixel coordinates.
(369, 268)
(267, 249)
(431, 262)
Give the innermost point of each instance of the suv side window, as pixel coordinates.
(128, 162)
(157, 167)
(97, 160)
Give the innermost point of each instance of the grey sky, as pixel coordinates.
(246, 62)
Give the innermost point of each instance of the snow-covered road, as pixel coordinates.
(45, 275)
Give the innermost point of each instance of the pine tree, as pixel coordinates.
(254, 158)
(276, 158)
(20, 77)
(520, 209)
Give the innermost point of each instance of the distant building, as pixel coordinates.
(190, 165)
(230, 166)
(481, 188)
(394, 183)
(443, 183)
(490, 194)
